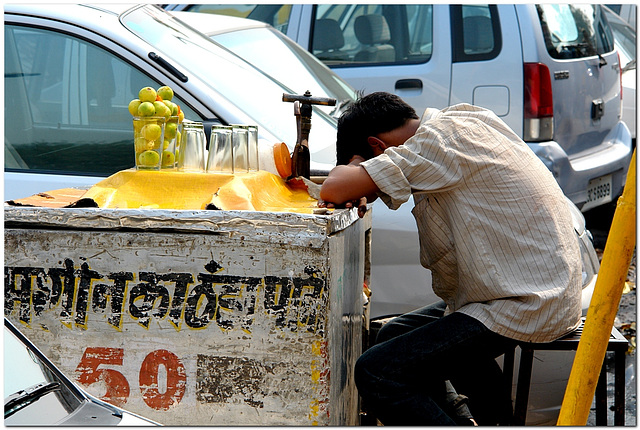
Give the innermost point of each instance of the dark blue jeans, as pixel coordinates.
(402, 377)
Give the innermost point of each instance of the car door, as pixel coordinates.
(486, 68)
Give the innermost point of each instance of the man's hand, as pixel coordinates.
(360, 203)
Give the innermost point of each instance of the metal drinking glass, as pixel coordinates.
(220, 150)
(192, 147)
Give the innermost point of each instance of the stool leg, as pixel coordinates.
(524, 382)
(507, 371)
(618, 394)
(601, 395)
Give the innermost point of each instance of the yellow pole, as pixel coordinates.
(603, 308)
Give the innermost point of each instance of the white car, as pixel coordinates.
(625, 37)
(37, 393)
(626, 11)
(71, 70)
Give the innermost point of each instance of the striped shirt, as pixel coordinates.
(495, 228)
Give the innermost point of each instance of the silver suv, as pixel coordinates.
(551, 71)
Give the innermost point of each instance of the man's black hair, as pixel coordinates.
(368, 116)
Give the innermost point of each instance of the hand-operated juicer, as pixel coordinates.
(301, 158)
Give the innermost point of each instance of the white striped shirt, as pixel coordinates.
(495, 228)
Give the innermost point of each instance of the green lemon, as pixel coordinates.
(165, 92)
(133, 106)
(170, 130)
(171, 105)
(141, 144)
(137, 126)
(155, 144)
(162, 109)
(147, 94)
(151, 131)
(168, 159)
(149, 158)
(146, 109)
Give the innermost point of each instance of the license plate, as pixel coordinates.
(598, 192)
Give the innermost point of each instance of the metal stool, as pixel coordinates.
(618, 344)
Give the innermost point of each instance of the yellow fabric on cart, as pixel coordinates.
(255, 191)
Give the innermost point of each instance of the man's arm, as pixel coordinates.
(348, 183)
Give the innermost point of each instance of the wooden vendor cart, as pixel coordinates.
(196, 317)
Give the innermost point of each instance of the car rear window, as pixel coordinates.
(575, 31)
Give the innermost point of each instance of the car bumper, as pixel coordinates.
(611, 157)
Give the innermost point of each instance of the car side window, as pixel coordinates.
(363, 35)
(476, 32)
(66, 104)
(575, 31)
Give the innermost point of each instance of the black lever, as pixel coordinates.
(301, 157)
(164, 63)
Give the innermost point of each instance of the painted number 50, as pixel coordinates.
(117, 386)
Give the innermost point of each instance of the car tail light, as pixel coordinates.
(538, 103)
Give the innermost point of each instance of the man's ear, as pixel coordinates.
(377, 145)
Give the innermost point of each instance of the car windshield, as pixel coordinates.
(33, 394)
(225, 73)
(295, 66)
